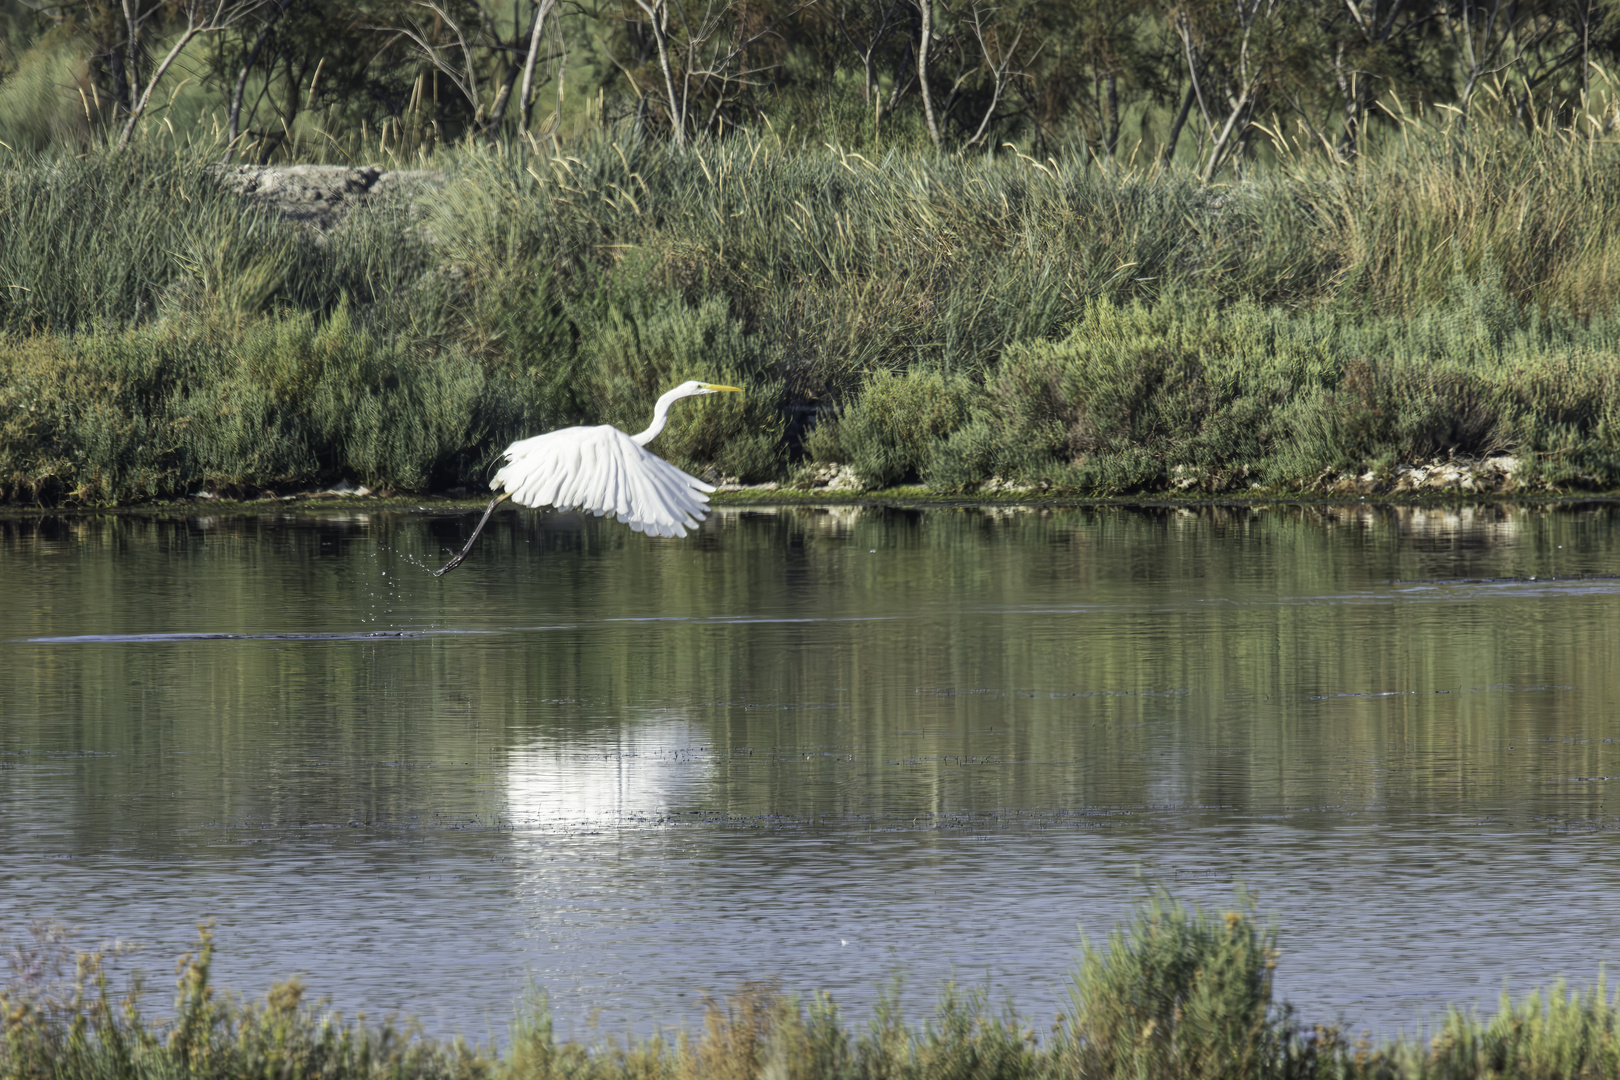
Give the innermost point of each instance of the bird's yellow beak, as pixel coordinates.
(713, 387)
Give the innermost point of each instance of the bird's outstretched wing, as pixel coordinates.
(603, 470)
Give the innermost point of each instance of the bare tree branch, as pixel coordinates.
(526, 95)
(202, 17)
(233, 125)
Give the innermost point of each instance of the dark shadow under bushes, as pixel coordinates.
(1172, 995)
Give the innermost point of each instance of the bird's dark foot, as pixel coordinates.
(488, 510)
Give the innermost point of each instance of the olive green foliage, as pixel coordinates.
(40, 105)
(1099, 331)
(1181, 994)
(1139, 397)
(76, 1027)
(638, 353)
(115, 416)
(1104, 80)
(1550, 1035)
(104, 241)
(891, 427)
(1176, 994)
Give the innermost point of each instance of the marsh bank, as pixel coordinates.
(966, 323)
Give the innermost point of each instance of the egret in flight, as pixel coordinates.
(601, 469)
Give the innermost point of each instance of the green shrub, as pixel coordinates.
(298, 400)
(1173, 995)
(888, 432)
(1129, 394)
(1179, 993)
(124, 416)
(86, 419)
(1143, 397)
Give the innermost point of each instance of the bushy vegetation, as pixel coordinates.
(1243, 397)
(922, 318)
(1175, 994)
(975, 271)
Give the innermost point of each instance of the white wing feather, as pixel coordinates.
(603, 470)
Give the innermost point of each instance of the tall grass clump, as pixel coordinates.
(1533, 199)
(110, 241)
(1559, 1034)
(78, 1027)
(849, 265)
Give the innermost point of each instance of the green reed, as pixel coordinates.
(1174, 993)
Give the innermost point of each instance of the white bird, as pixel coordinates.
(601, 469)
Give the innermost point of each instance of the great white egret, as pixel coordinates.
(601, 469)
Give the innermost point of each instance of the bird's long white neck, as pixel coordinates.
(660, 417)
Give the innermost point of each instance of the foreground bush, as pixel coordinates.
(1176, 994)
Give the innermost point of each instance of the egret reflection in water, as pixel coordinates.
(624, 775)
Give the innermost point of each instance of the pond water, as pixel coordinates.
(824, 747)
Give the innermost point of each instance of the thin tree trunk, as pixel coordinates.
(1350, 91)
(234, 125)
(131, 48)
(926, 35)
(115, 64)
(497, 112)
(658, 11)
(151, 85)
(526, 98)
(900, 83)
(1169, 152)
(1237, 123)
(1586, 56)
(1111, 118)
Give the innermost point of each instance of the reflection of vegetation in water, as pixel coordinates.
(846, 664)
(1172, 994)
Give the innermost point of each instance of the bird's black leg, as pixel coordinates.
(455, 562)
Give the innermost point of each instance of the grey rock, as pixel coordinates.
(321, 196)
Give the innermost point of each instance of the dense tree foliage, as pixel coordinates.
(1211, 84)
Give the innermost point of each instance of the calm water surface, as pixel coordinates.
(825, 747)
